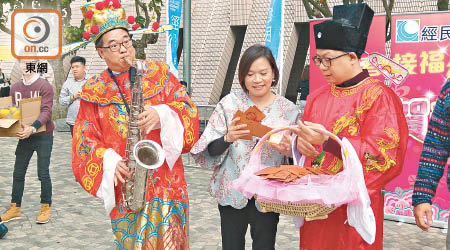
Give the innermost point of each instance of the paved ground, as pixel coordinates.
(79, 221)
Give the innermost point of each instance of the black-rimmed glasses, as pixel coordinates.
(326, 62)
(114, 47)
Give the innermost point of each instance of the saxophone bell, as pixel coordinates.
(148, 154)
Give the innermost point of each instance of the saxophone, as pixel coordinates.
(140, 155)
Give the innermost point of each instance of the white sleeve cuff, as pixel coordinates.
(172, 131)
(106, 189)
(298, 158)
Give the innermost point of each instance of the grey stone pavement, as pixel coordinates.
(79, 221)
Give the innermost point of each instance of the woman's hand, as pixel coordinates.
(236, 132)
(285, 145)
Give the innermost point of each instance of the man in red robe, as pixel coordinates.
(100, 137)
(355, 106)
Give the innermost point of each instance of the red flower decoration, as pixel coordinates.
(89, 14)
(136, 26)
(131, 19)
(95, 29)
(86, 36)
(99, 6)
(155, 26)
(116, 4)
(106, 3)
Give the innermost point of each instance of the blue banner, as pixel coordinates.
(274, 34)
(174, 18)
(274, 28)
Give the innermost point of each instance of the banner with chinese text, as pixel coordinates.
(174, 17)
(420, 43)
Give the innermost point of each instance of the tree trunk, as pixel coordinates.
(317, 8)
(28, 4)
(59, 78)
(388, 6)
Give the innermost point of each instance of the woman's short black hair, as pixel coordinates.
(252, 54)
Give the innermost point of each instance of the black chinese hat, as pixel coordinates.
(347, 31)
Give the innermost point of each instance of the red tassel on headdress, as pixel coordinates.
(155, 26)
(99, 6)
(86, 36)
(89, 14)
(136, 26)
(95, 29)
(131, 19)
(116, 4)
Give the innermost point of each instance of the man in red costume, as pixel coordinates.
(100, 136)
(355, 106)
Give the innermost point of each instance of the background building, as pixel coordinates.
(221, 31)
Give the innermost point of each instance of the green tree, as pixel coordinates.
(146, 14)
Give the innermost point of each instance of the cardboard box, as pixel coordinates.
(29, 111)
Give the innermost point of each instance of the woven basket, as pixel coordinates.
(310, 211)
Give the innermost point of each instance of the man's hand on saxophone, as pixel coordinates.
(121, 170)
(148, 119)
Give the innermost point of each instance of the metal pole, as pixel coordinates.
(187, 44)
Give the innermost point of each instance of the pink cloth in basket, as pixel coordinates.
(346, 187)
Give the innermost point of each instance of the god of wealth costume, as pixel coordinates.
(367, 113)
(99, 141)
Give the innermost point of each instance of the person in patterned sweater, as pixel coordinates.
(433, 159)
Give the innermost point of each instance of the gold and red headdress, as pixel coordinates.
(102, 16)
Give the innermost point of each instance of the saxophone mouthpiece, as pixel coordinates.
(129, 61)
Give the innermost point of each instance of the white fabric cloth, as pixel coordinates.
(359, 213)
(106, 189)
(172, 131)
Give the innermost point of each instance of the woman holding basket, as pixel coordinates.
(224, 148)
(359, 108)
